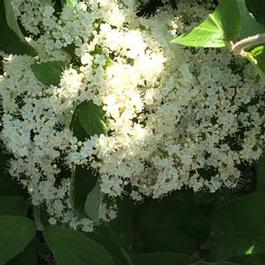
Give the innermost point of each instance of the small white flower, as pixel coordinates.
(86, 59)
(48, 11)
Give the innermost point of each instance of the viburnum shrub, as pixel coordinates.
(106, 91)
(100, 105)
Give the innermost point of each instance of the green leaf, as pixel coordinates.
(117, 235)
(12, 40)
(261, 174)
(162, 258)
(107, 237)
(257, 57)
(257, 8)
(8, 185)
(11, 20)
(89, 119)
(93, 204)
(172, 226)
(239, 227)
(250, 260)
(71, 247)
(214, 263)
(248, 24)
(219, 27)
(83, 182)
(28, 257)
(13, 205)
(15, 234)
(123, 224)
(49, 73)
(70, 2)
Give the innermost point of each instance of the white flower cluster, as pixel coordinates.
(178, 118)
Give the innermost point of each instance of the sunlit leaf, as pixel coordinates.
(257, 57)
(69, 2)
(219, 27)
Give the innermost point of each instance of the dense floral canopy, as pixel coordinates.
(172, 114)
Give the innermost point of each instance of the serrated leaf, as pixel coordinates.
(239, 227)
(219, 27)
(257, 8)
(13, 205)
(71, 247)
(93, 204)
(48, 73)
(10, 42)
(88, 119)
(162, 258)
(257, 57)
(15, 234)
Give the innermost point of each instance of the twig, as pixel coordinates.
(238, 48)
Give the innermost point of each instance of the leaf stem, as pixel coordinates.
(36, 214)
(126, 255)
(72, 182)
(238, 48)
